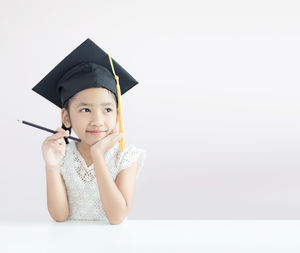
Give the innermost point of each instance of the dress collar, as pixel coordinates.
(74, 147)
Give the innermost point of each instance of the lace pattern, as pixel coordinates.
(81, 183)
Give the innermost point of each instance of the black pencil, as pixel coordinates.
(46, 129)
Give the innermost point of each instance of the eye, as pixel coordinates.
(84, 109)
(109, 109)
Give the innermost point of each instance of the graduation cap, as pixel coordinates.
(87, 66)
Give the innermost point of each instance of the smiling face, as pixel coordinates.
(92, 114)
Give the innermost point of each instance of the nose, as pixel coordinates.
(97, 119)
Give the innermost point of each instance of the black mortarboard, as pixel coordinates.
(86, 66)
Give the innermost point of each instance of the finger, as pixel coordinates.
(60, 141)
(56, 143)
(112, 137)
(111, 132)
(61, 130)
(60, 133)
(115, 135)
(118, 137)
(56, 136)
(61, 150)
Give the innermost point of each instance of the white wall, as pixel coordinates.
(216, 110)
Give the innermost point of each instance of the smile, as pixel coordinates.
(96, 132)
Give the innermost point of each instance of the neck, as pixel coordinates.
(84, 150)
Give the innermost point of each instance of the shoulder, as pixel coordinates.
(131, 154)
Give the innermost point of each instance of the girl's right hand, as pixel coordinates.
(54, 147)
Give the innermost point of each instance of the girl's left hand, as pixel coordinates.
(100, 147)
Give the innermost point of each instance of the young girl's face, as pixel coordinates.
(92, 109)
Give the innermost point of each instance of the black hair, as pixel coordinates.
(66, 106)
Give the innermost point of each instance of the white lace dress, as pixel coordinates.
(81, 182)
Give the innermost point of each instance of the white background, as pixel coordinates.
(216, 108)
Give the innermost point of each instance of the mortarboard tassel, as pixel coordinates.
(120, 116)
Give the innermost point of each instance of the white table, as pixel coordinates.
(152, 236)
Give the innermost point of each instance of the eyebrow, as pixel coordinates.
(91, 105)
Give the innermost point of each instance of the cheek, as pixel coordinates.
(78, 124)
(115, 118)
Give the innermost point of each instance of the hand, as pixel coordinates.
(100, 147)
(54, 148)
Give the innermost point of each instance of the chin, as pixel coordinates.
(95, 139)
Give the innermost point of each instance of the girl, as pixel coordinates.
(92, 179)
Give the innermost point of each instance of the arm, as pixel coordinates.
(57, 200)
(116, 197)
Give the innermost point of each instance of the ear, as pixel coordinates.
(65, 118)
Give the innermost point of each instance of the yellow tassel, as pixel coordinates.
(120, 116)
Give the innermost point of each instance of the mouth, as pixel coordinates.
(96, 132)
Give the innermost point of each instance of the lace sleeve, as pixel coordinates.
(129, 156)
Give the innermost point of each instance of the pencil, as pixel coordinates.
(46, 129)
